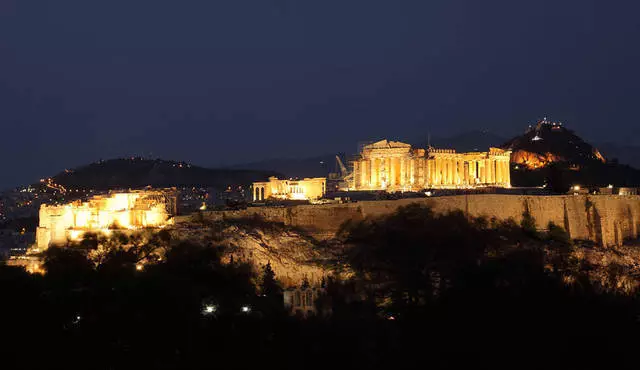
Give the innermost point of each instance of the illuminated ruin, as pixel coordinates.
(305, 189)
(395, 166)
(132, 210)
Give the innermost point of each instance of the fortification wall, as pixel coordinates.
(605, 219)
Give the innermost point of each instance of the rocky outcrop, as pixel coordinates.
(293, 255)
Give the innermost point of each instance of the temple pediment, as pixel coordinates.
(386, 144)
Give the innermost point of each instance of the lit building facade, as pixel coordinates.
(303, 301)
(395, 166)
(60, 224)
(305, 189)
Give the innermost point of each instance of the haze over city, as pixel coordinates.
(226, 82)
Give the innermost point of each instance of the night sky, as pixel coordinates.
(223, 82)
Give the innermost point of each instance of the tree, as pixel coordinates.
(268, 285)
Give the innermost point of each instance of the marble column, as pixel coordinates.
(380, 171)
(364, 173)
(508, 172)
(373, 174)
(487, 173)
(493, 171)
(403, 171)
(445, 171)
(412, 171)
(391, 172)
(465, 171)
(452, 171)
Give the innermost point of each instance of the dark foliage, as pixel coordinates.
(431, 291)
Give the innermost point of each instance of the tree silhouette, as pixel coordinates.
(269, 286)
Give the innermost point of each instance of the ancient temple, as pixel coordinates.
(395, 166)
(292, 189)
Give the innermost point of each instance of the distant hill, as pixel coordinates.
(550, 142)
(138, 173)
(549, 153)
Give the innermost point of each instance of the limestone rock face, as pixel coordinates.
(612, 269)
(293, 255)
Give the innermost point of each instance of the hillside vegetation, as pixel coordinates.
(139, 173)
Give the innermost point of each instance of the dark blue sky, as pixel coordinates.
(221, 82)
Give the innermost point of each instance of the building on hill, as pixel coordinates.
(395, 166)
(132, 210)
(303, 301)
(304, 189)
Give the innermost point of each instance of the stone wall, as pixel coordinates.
(605, 219)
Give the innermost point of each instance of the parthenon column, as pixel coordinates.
(374, 172)
(487, 171)
(493, 171)
(412, 168)
(445, 170)
(449, 171)
(391, 171)
(364, 173)
(465, 173)
(508, 169)
(403, 171)
(380, 171)
(454, 172)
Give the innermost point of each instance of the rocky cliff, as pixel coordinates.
(293, 255)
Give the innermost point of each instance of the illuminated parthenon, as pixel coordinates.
(395, 166)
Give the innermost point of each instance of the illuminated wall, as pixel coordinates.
(59, 224)
(305, 189)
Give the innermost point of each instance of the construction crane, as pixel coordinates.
(341, 178)
(342, 167)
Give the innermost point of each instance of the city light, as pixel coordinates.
(139, 267)
(209, 309)
(246, 309)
